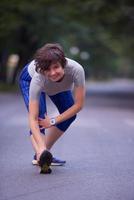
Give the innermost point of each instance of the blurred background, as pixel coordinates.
(98, 34)
(99, 146)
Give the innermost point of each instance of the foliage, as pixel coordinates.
(102, 28)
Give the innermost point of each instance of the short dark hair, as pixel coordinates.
(48, 54)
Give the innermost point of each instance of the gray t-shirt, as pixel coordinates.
(74, 76)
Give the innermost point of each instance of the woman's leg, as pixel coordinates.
(49, 139)
(53, 135)
(24, 84)
(63, 101)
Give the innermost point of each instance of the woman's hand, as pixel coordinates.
(44, 123)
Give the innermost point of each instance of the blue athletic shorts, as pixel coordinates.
(62, 100)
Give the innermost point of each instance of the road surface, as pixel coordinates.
(98, 148)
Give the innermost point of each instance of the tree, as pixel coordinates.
(98, 27)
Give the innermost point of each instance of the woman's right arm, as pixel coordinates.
(34, 96)
(34, 126)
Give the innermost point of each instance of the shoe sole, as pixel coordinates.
(57, 164)
(45, 162)
(35, 162)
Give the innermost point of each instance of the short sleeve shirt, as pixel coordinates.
(74, 77)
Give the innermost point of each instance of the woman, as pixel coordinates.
(52, 74)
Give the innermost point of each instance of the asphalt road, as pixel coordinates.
(98, 148)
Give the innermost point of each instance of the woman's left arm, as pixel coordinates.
(79, 97)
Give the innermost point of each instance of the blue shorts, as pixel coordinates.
(62, 100)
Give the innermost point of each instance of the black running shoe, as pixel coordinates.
(45, 162)
(46, 172)
(55, 161)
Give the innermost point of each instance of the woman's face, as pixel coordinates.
(55, 72)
